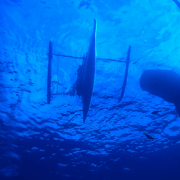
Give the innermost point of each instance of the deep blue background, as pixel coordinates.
(42, 141)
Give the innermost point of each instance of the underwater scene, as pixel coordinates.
(89, 90)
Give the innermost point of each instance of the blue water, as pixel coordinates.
(50, 141)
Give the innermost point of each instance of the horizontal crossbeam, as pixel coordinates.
(120, 60)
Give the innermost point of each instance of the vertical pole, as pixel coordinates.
(50, 56)
(125, 74)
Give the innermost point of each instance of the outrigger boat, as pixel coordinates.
(88, 74)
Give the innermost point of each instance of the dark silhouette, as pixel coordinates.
(156, 112)
(88, 74)
(162, 83)
(177, 3)
(148, 135)
(126, 74)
